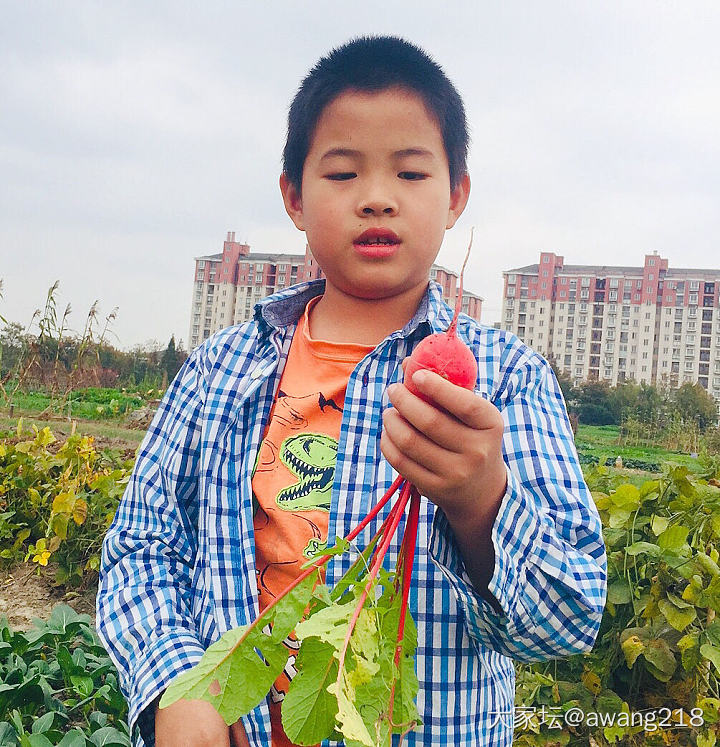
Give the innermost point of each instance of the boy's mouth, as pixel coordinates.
(377, 237)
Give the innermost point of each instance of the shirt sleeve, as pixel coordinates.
(550, 575)
(143, 602)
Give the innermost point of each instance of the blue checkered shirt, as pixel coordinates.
(178, 561)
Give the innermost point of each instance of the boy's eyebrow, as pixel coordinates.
(349, 152)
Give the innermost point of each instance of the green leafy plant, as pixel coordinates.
(658, 649)
(58, 686)
(57, 504)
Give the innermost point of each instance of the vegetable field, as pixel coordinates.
(658, 651)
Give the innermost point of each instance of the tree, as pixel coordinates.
(651, 405)
(563, 380)
(624, 399)
(169, 363)
(595, 404)
(692, 402)
(12, 343)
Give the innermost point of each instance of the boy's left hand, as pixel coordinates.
(454, 457)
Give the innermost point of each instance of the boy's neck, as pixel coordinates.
(338, 317)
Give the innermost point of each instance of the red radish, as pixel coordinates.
(445, 353)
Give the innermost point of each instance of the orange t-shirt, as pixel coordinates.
(294, 471)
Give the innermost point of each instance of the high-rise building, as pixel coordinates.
(652, 323)
(229, 284)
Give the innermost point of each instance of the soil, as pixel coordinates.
(25, 595)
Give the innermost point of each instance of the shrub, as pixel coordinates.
(658, 649)
(57, 505)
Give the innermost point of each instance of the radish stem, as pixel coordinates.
(458, 300)
(408, 557)
(381, 552)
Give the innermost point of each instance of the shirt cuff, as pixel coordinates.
(162, 661)
(514, 533)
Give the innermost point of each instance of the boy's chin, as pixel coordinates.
(377, 290)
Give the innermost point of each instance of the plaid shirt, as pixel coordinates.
(178, 561)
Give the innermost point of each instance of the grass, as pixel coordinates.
(105, 431)
(89, 404)
(602, 441)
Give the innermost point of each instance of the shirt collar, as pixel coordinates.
(285, 307)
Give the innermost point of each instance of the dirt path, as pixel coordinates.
(25, 595)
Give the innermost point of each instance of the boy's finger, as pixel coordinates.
(465, 405)
(440, 427)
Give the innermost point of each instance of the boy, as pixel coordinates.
(283, 431)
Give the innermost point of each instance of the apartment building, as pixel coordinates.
(653, 323)
(227, 285)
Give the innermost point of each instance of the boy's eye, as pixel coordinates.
(342, 176)
(411, 175)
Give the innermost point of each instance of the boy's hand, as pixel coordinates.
(454, 458)
(195, 723)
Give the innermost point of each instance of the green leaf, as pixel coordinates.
(648, 487)
(619, 592)
(632, 648)
(59, 525)
(659, 524)
(231, 675)
(706, 738)
(44, 723)
(678, 618)
(341, 546)
(627, 496)
(710, 708)
(328, 624)
(355, 572)
(351, 723)
(38, 740)
(643, 547)
(309, 710)
(711, 653)
(658, 654)
(83, 685)
(690, 658)
(65, 660)
(619, 517)
(108, 736)
(74, 738)
(64, 619)
(713, 633)
(290, 608)
(673, 538)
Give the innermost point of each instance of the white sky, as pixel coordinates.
(134, 135)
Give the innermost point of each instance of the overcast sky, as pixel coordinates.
(134, 135)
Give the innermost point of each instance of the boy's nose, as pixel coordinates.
(376, 204)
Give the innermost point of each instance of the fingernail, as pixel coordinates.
(419, 377)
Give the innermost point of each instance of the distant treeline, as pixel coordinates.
(49, 363)
(598, 403)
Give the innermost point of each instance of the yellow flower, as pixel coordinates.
(42, 557)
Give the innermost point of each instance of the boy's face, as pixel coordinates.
(376, 196)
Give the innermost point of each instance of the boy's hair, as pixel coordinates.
(376, 63)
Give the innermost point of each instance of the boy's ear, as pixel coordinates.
(293, 201)
(458, 199)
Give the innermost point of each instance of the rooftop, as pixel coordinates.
(603, 270)
(257, 256)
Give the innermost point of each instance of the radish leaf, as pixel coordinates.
(309, 710)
